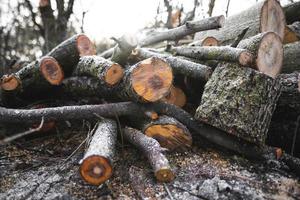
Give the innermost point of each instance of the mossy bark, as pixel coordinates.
(240, 101)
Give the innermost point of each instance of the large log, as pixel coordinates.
(169, 132)
(40, 73)
(188, 28)
(292, 33)
(228, 54)
(292, 12)
(179, 66)
(239, 101)
(262, 17)
(153, 151)
(291, 59)
(69, 52)
(96, 165)
(147, 81)
(107, 72)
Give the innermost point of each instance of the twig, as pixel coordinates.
(22, 134)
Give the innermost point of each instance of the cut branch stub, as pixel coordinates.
(207, 41)
(51, 70)
(262, 17)
(267, 50)
(292, 33)
(176, 97)
(148, 81)
(107, 72)
(153, 152)
(69, 52)
(96, 165)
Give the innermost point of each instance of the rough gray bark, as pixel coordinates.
(69, 52)
(292, 12)
(169, 132)
(291, 58)
(107, 72)
(229, 54)
(240, 101)
(96, 165)
(153, 151)
(263, 16)
(188, 28)
(179, 66)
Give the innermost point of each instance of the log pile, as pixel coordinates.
(223, 87)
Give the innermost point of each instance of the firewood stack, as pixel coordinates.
(228, 78)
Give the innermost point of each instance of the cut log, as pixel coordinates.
(45, 71)
(267, 50)
(291, 58)
(292, 12)
(229, 54)
(292, 33)
(108, 73)
(188, 28)
(169, 132)
(147, 81)
(207, 41)
(96, 165)
(262, 17)
(179, 66)
(176, 97)
(152, 150)
(69, 52)
(239, 101)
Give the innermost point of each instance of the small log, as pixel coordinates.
(229, 54)
(45, 71)
(152, 150)
(292, 33)
(180, 66)
(108, 73)
(47, 126)
(262, 17)
(207, 41)
(291, 58)
(267, 50)
(188, 28)
(69, 52)
(169, 132)
(239, 101)
(96, 165)
(147, 81)
(292, 12)
(176, 97)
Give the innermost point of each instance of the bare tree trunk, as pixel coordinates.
(211, 6)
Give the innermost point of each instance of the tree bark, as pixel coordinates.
(292, 33)
(180, 66)
(153, 151)
(69, 52)
(169, 132)
(229, 54)
(96, 165)
(240, 101)
(108, 73)
(188, 28)
(292, 12)
(291, 58)
(262, 17)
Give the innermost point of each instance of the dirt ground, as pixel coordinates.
(45, 166)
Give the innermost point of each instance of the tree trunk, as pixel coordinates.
(152, 150)
(179, 66)
(292, 33)
(169, 132)
(291, 59)
(188, 28)
(262, 17)
(229, 54)
(108, 73)
(69, 52)
(239, 101)
(96, 165)
(292, 12)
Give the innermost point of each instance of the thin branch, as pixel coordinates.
(69, 10)
(19, 135)
(211, 6)
(169, 10)
(227, 8)
(33, 16)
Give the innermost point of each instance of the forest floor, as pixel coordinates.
(46, 167)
